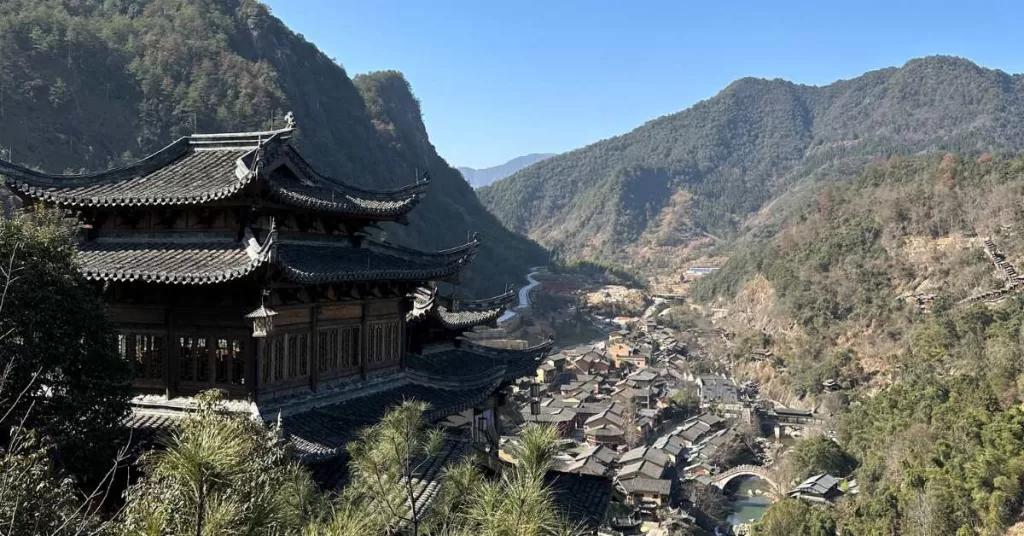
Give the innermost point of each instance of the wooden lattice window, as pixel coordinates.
(383, 341)
(301, 354)
(266, 365)
(145, 352)
(285, 356)
(277, 348)
(229, 362)
(194, 359)
(328, 349)
(293, 356)
(338, 348)
(297, 354)
(348, 350)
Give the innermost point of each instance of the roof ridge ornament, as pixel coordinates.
(289, 121)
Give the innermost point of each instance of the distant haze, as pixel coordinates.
(483, 177)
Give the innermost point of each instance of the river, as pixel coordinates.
(524, 295)
(748, 504)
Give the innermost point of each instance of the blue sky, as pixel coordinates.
(499, 79)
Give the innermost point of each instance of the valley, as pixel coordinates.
(244, 293)
(722, 445)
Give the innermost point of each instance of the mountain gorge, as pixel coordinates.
(485, 176)
(89, 85)
(698, 176)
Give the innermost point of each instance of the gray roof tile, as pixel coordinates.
(199, 261)
(203, 168)
(583, 499)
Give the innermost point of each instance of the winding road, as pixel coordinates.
(524, 295)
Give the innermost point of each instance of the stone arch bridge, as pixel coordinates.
(721, 480)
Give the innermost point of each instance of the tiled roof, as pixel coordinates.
(646, 485)
(174, 176)
(320, 192)
(693, 433)
(177, 258)
(496, 302)
(642, 468)
(605, 430)
(202, 168)
(458, 366)
(817, 485)
(606, 415)
(472, 364)
(549, 415)
(167, 261)
(602, 454)
(585, 466)
(466, 319)
(455, 314)
(329, 199)
(583, 499)
(518, 363)
(323, 432)
(643, 376)
(645, 453)
(670, 444)
(325, 262)
(147, 427)
(792, 412)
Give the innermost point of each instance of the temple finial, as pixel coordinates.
(289, 120)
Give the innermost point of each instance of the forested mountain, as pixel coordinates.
(485, 176)
(863, 281)
(88, 84)
(641, 196)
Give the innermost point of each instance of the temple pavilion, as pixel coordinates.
(228, 262)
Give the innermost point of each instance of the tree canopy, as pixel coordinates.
(61, 372)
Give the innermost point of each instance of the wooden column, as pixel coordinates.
(252, 366)
(364, 339)
(314, 347)
(403, 344)
(171, 367)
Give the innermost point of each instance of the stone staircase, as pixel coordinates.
(1014, 281)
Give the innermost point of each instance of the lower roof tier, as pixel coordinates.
(457, 314)
(195, 260)
(320, 424)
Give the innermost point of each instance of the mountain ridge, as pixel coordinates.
(484, 176)
(725, 158)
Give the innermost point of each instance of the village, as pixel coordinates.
(650, 432)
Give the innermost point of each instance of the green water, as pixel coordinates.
(747, 505)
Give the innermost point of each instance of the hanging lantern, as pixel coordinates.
(262, 321)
